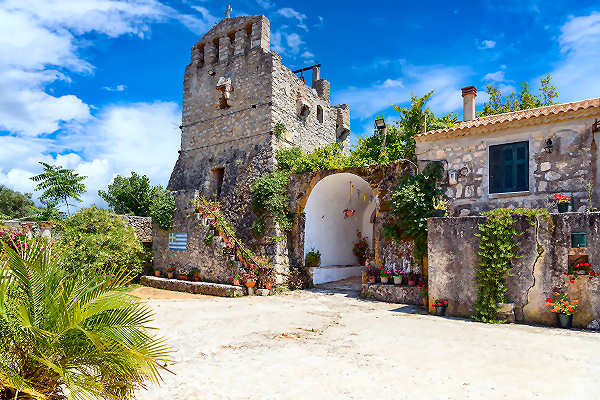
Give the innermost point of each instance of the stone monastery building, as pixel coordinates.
(241, 104)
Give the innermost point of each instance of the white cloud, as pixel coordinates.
(307, 54)
(291, 13)
(487, 44)
(118, 88)
(497, 76)
(141, 137)
(576, 74)
(266, 4)
(294, 41)
(366, 102)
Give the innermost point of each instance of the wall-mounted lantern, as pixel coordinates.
(578, 240)
(548, 146)
(452, 177)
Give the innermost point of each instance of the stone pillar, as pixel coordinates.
(210, 53)
(241, 42)
(469, 93)
(316, 75)
(322, 86)
(197, 55)
(224, 49)
(261, 34)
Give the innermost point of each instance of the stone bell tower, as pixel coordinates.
(235, 90)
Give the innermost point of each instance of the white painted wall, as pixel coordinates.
(326, 229)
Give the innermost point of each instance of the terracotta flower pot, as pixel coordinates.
(412, 283)
(183, 277)
(170, 275)
(250, 284)
(236, 282)
(269, 285)
(196, 279)
(157, 273)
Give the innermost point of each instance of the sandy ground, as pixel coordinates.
(318, 345)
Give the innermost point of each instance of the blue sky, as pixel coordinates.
(96, 85)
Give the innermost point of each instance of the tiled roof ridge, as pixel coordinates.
(518, 115)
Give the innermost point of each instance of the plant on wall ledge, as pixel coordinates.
(361, 248)
(162, 209)
(279, 129)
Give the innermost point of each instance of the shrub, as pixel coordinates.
(95, 239)
(74, 333)
(162, 209)
(312, 258)
(269, 198)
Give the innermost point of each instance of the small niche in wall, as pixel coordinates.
(217, 175)
(320, 114)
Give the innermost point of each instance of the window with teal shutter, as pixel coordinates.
(509, 167)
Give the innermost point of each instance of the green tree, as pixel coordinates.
(400, 135)
(93, 239)
(15, 204)
(71, 335)
(130, 195)
(162, 208)
(59, 185)
(523, 100)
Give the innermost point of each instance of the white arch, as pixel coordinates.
(328, 231)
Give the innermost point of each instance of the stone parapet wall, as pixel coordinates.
(452, 255)
(392, 293)
(208, 288)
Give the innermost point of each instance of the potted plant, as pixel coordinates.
(440, 207)
(265, 277)
(397, 275)
(236, 279)
(440, 306)
(249, 278)
(371, 274)
(157, 272)
(562, 201)
(171, 271)
(412, 279)
(193, 275)
(361, 248)
(581, 268)
(384, 275)
(312, 259)
(563, 308)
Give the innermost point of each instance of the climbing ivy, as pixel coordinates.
(412, 203)
(269, 198)
(497, 249)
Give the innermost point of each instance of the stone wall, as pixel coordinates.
(453, 246)
(207, 258)
(572, 163)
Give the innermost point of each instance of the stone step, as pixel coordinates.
(208, 288)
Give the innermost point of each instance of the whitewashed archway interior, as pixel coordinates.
(329, 230)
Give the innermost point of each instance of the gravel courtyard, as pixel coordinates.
(318, 345)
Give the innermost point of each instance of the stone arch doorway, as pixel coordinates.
(328, 229)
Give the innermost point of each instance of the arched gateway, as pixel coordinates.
(339, 206)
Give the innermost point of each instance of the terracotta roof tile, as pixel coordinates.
(515, 116)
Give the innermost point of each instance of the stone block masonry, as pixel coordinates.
(452, 253)
(208, 288)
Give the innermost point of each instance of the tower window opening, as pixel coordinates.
(320, 114)
(217, 175)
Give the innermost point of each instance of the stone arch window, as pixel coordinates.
(320, 114)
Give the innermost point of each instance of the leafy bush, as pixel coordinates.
(131, 195)
(287, 158)
(14, 204)
(94, 239)
(412, 202)
(162, 209)
(312, 258)
(74, 333)
(269, 198)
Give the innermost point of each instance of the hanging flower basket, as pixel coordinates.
(349, 213)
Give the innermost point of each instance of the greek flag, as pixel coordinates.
(178, 241)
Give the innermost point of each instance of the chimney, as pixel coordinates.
(316, 75)
(469, 93)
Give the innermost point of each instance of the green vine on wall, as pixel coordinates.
(497, 249)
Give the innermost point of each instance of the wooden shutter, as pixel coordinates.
(509, 167)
